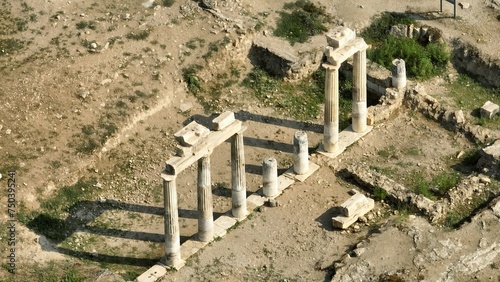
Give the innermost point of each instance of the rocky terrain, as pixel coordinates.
(92, 93)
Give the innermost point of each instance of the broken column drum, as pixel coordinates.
(398, 73)
(270, 177)
(205, 205)
(300, 153)
(343, 44)
(238, 180)
(172, 235)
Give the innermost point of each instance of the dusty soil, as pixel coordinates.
(62, 96)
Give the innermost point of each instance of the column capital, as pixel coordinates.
(329, 66)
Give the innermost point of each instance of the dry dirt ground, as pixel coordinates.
(95, 94)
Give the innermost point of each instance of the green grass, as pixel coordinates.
(469, 95)
(300, 100)
(50, 220)
(379, 193)
(10, 45)
(302, 20)
(422, 61)
(168, 3)
(191, 79)
(432, 188)
(138, 35)
(378, 31)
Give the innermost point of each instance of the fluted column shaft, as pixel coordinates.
(331, 119)
(359, 107)
(205, 204)
(172, 235)
(238, 180)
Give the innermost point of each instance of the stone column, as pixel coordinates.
(172, 235)
(331, 119)
(398, 74)
(238, 193)
(205, 205)
(270, 177)
(359, 110)
(300, 153)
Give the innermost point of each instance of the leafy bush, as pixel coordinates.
(305, 20)
(168, 3)
(191, 79)
(421, 62)
(379, 29)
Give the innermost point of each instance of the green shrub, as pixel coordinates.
(139, 35)
(420, 62)
(305, 20)
(168, 3)
(379, 193)
(191, 79)
(379, 29)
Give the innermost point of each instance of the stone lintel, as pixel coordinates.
(190, 134)
(183, 151)
(177, 164)
(337, 56)
(343, 222)
(353, 204)
(223, 120)
(339, 36)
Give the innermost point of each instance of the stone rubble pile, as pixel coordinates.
(352, 209)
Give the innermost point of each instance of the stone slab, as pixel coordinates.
(346, 138)
(183, 151)
(337, 56)
(219, 231)
(338, 37)
(191, 134)
(301, 177)
(225, 221)
(353, 204)
(154, 273)
(191, 247)
(256, 200)
(284, 182)
(177, 164)
(344, 222)
(223, 120)
(489, 110)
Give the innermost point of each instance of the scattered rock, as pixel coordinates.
(272, 203)
(8, 131)
(106, 81)
(489, 110)
(464, 5)
(358, 252)
(184, 107)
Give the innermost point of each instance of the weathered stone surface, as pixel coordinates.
(339, 36)
(490, 157)
(399, 30)
(489, 110)
(371, 179)
(108, 276)
(353, 204)
(496, 208)
(223, 120)
(191, 134)
(356, 207)
(273, 54)
(337, 56)
(464, 5)
(417, 98)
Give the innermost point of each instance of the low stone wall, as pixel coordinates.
(468, 58)
(370, 179)
(378, 78)
(418, 99)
